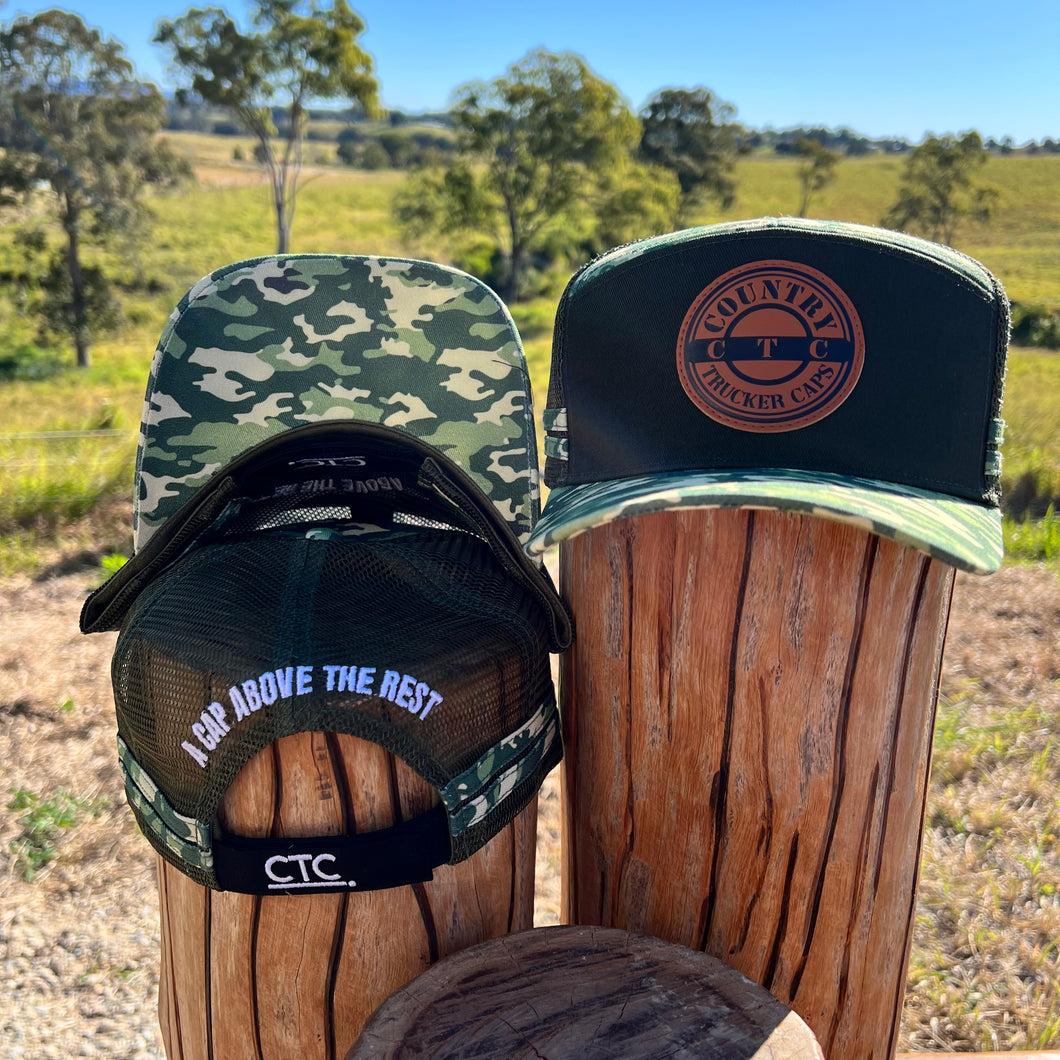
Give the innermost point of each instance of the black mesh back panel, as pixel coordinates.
(242, 636)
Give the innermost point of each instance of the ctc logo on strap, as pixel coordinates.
(310, 872)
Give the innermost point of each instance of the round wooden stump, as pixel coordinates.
(588, 993)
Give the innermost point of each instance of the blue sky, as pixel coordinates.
(896, 68)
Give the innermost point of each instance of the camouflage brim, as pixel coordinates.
(264, 346)
(961, 533)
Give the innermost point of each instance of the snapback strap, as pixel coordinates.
(389, 857)
(478, 793)
(370, 861)
(475, 799)
(554, 421)
(178, 838)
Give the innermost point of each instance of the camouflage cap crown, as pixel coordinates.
(266, 345)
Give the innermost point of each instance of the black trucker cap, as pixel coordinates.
(835, 369)
(333, 571)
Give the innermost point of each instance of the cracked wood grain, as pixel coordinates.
(763, 799)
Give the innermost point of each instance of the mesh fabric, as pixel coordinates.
(430, 606)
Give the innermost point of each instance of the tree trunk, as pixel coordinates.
(283, 223)
(513, 288)
(278, 176)
(77, 287)
(515, 261)
(748, 716)
(290, 172)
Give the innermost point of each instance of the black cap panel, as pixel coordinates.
(919, 414)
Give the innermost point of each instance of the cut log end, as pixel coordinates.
(583, 993)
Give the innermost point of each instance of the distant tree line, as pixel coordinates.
(1047, 146)
(324, 122)
(842, 141)
(395, 147)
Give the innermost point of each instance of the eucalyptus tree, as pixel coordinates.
(534, 147)
(692, 133)
(76, 121)
(301, 52)
(939, 188)
(815, 171)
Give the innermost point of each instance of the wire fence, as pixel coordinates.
(63, 472)
(111, 432)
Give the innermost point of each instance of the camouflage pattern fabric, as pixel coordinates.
(266, 345)
(182, 840)
(479, 790)
(962, 533)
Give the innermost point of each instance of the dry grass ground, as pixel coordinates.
(985, 972)
(78, 930)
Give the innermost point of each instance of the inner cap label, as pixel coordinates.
(770, 346)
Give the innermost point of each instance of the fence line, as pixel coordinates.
(28, 457)
(103, 432)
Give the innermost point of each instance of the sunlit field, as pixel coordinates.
(226, 216)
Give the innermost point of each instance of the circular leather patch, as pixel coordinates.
(770, 346)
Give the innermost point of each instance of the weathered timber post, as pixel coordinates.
(748, 723)
(770, 444)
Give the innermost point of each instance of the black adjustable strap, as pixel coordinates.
(371, 861)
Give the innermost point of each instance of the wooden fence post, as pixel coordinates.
(277, 977)
(748, 720)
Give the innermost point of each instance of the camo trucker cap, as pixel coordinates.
(339, 575)
(839, 370)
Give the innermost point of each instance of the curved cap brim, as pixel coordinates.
(959, 532)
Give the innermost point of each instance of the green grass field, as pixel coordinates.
(226, 216)
(1021, 244)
